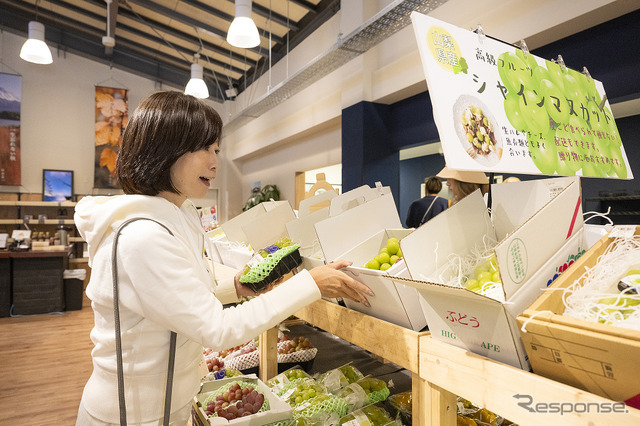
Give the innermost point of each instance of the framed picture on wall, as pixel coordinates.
(57, 185)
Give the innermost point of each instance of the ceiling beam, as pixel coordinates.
(187, 20)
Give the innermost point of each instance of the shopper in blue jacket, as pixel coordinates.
(427, 207)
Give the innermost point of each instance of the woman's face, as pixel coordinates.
(192, 173)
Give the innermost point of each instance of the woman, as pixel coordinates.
(169, 154)
(420, 211)
(462, 183)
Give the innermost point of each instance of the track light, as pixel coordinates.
(243, 31)
(196, 86)
(35, 49)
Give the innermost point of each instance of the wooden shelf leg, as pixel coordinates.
(431, 404)
(268, 354)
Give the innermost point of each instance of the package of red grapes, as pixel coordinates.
(242, 400)
(296, 350)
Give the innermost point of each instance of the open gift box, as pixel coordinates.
(278, 409)
(302, 229)
(537, 226)
(360, 223)
(600, 358)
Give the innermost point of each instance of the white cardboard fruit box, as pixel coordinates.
(538, 226)
(302, 230)
(359, 225)
(278, 411)
(233, 228)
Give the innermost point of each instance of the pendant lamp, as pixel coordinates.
(35, 49)
(196, 86)
(243, 31)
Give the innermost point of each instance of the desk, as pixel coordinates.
(36, 281)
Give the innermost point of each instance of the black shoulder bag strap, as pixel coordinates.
(425, 213)
(116, 314)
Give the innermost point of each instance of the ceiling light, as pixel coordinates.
(196, 86)
(243, 32)
(35, 49)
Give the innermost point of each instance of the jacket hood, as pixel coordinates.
(97, 217)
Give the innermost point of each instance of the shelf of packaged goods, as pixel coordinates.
(520, 396)
(389, 341)
(37, 204)
(76, 240)
(37, 222)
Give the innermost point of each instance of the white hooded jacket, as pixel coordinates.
(164, 285)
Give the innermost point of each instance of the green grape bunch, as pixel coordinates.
(387, 257)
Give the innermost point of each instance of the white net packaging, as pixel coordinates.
(608, 293)
(477, 271)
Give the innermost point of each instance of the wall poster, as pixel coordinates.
(10, 97)
(112, 114)
(501, 109)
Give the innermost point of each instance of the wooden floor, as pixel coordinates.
(45, 360)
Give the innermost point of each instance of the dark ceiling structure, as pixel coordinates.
(158, 39)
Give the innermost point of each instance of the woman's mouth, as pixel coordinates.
(204, 180)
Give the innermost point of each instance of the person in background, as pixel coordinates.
(462, 183)
(420, 211)
(169, 154)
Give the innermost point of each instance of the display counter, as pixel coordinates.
(36, 284)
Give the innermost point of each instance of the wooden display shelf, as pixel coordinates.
(451, 371)
(389, 341)
(37, 222)
(76, 260)
(37, 204)
(441, 372)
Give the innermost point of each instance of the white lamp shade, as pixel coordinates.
(243, 31)
(196, 86)
(35, 49)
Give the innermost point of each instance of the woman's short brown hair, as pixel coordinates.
(165, 126)
(433, 185)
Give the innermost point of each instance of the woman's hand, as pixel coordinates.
(334, 283)
(245, 291)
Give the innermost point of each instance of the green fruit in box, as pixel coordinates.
(382, 258)
(473, 285)
(392, 247)
(372, 264)
(484, 277)
(483, 267)
(385, 266)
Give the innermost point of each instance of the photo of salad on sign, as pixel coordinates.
(499, 108)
